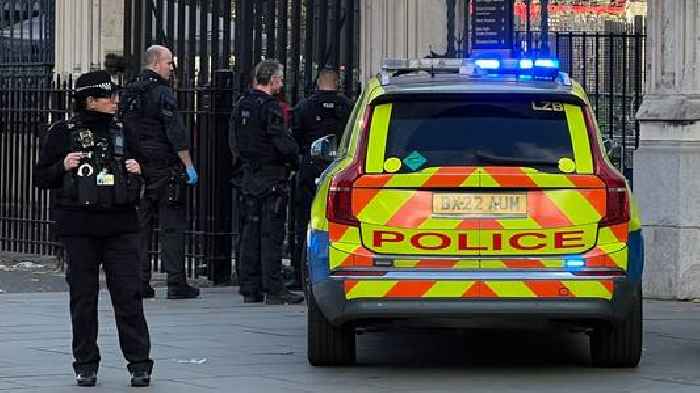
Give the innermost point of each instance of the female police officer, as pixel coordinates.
(86, 160)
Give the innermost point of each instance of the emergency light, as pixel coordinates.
(492, 66)
(574, 262)
(525, 68)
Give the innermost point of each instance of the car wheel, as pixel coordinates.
(328, 345)
(619, 346)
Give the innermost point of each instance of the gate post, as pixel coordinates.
(224, 89)
(665, 165)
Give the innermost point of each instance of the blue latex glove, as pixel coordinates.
(191, 175)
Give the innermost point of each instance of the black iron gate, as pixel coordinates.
(216, 45)
(27, 36)
(609, 63)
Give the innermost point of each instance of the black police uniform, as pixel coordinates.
(323, 113)
(263, 151)
(149, 108)
(97, 222)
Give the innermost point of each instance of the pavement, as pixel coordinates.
(218, 344)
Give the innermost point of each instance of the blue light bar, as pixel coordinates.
(547, 63)
(488, 64)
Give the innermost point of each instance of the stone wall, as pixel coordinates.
(666, 165)
(86, 31)
(400, 28)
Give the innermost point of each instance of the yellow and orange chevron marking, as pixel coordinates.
(388, 199)
(420, 289)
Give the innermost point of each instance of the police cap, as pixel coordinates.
(96, 84)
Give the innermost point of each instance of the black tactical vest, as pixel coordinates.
(101, 179)
(249, 123)
(140, 110)
(325, 113)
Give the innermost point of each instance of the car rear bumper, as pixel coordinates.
(330, 295)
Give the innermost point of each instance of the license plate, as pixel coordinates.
(481, 204)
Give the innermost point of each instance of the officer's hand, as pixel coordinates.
(133, 167)
(191, 175)
(72, 160)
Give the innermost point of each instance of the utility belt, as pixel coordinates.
(261, 181)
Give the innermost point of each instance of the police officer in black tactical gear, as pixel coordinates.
(263, 152)
(88, 162)
(323, 113)
(149, 108)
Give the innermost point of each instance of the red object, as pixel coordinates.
(617, 204)
(339, 206)
(618, 8)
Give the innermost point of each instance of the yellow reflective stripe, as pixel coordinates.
(405, 263)
(493, 264)
(499, 264)
(574, 206)
(384, 205)
(519, 223)
(635, 216)
(467, 264)
(377, 139)
(370, 289)
(344, 247)
(449, 289)
(552, 181)
(620, 258)
(607, 236)
(579, 139)
(487, 181)
(552, 263)
(351, 235)
(413, 180)
(510, 288)
(439, 223)
(472, 181)
(336, 257)
(318, 207)
(587, 289)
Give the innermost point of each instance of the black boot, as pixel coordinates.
(140, 378)
(257, 298)
(88, 378)
(285, 297)
(148, 292)
(182, 291)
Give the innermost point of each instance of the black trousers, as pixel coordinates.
(119, 256)
(303, 196)
(261, 245)
(172, 222)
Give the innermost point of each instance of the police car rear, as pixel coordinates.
(481, 193)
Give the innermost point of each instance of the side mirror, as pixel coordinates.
(612, 147)
(325, 149)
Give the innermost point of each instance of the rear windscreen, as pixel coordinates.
(453, 133)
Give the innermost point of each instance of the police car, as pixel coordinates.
(468, 191)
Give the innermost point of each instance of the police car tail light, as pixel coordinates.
(617, 204)
(339, 204)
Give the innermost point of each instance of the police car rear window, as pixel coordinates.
(493, 133)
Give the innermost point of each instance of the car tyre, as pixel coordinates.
(328, 345)
(619, 346)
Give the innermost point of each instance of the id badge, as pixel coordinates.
(105, 179)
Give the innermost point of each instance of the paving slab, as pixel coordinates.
(219, 344)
